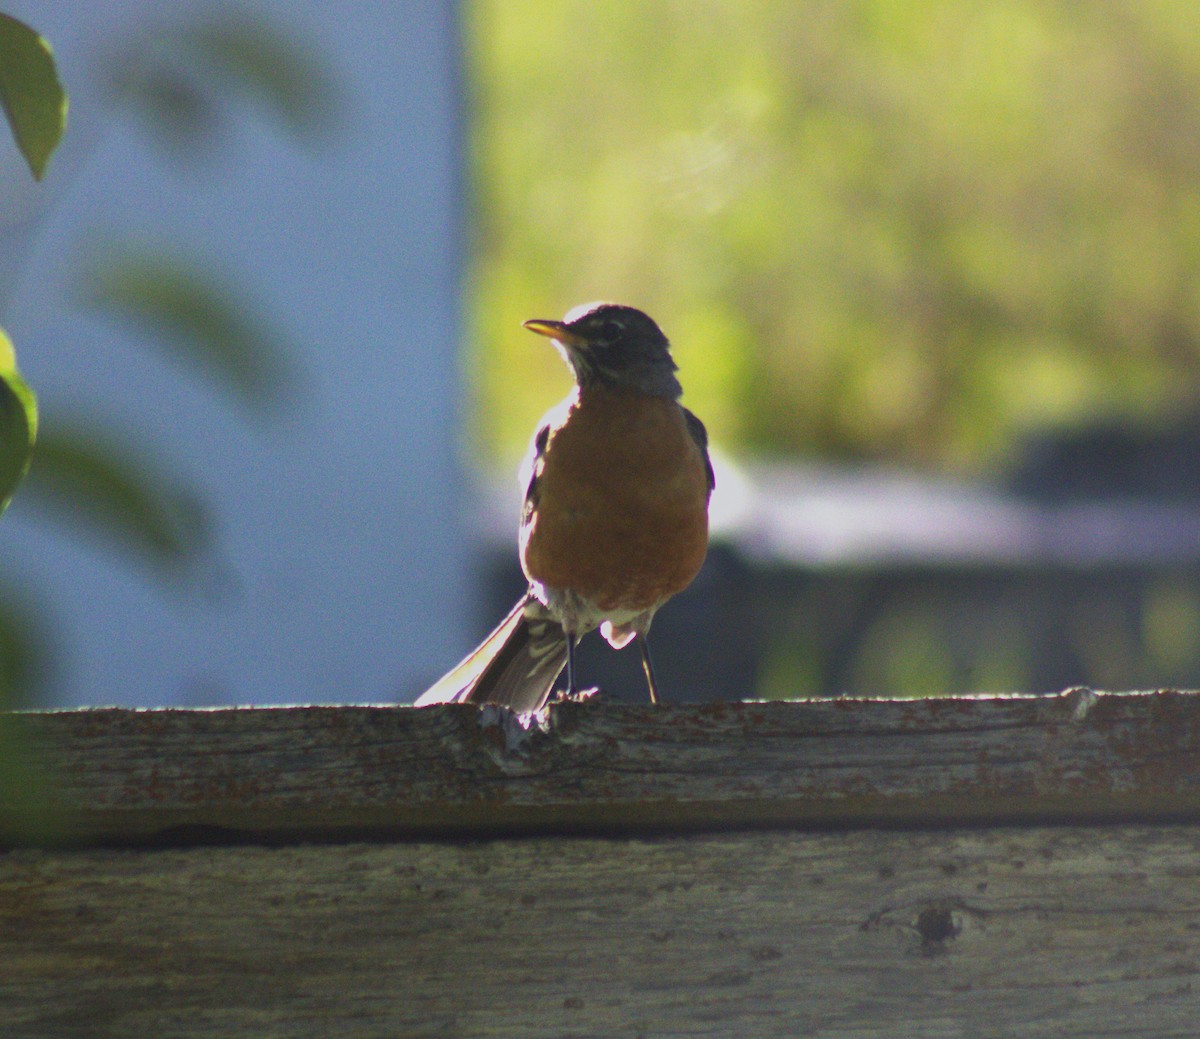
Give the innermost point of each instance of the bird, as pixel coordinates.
(615, 515)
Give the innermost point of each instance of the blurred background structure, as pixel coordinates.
(238, 296)
(932, 273)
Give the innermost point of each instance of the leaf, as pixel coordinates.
(18, 423)
(179, 112)
(27, 802)
(249, 54)
(91, 482)
(30, 93)
(26, 654)
(178, 301)
(182, 84)
(30, 804)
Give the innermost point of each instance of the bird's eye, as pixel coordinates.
(610, 330)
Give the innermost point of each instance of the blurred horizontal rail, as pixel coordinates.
(345, 773)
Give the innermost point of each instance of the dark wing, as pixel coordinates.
(519, 662)
(700, 435)
(516, 665)
(535, 471)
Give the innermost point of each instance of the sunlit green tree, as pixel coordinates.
(909, 232)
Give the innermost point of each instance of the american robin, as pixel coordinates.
(615, 519)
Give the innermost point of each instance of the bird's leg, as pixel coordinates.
(648, 667)
(571, 690)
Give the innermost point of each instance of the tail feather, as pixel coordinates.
(515, 666)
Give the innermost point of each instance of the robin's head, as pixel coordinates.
(613, 345)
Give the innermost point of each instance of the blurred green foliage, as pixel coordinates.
(197, 316)
(18, 422)
(35, 106)
(192, 83)
(925, 631)
(189, 84)
(110, 492)
(31, 96)
(874, 230)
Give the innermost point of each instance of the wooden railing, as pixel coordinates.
(990, 866)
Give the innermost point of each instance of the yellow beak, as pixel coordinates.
(555, 330)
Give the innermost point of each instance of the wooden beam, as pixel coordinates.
(837, 868)
(1042, 933)
(175, 776)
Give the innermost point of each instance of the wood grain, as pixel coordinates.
(1040, 932)
(842, 868)
(347, 772)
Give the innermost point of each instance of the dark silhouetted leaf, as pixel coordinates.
(27, 792)
(26, 660)
(178, 111)
(18, 423)
(30, 93)
(25, 655)
(93, 484)
(181, 84)
(204, 319)
(251, 56)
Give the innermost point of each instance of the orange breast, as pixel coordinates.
(622, 516)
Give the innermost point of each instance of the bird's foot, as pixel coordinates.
(579, 696)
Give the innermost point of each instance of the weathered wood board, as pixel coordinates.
(342, 772)
(851, 868)
(1040, 932)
